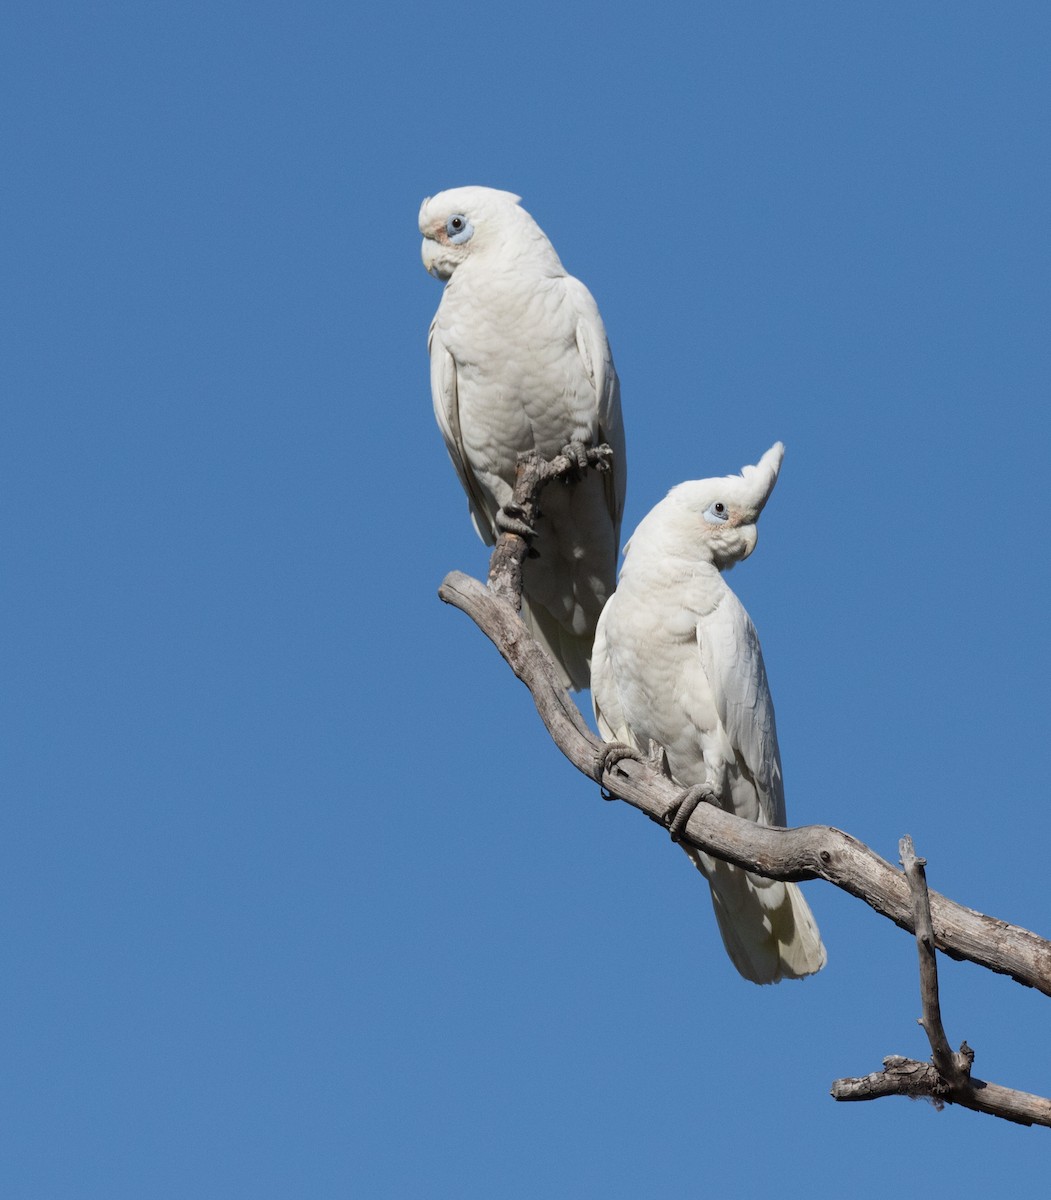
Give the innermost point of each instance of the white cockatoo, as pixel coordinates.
(520, 361)
(678, 675)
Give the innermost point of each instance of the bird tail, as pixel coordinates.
(767, 927)
(571, 652)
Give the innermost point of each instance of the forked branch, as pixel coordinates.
(947, 1078)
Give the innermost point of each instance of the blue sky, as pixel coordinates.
(296, 897)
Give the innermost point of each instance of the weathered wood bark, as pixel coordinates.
(954, 1069)
(907, 1077)
(807, 852)
(532, 476)
(947, 1078)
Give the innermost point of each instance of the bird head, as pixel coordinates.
(715, 519)
(464, 222)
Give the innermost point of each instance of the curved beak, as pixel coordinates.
(429, 252)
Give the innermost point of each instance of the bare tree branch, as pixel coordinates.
(907, 1077)
(955, 1071)
(806, 852)
(947, 1079)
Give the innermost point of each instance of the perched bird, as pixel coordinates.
(678, 675)
(520, 361)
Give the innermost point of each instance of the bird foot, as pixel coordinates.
(577, 453)
(677, 814)
(601, 457)
(608, 757)
(509, 520)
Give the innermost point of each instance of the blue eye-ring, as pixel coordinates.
(458, 228)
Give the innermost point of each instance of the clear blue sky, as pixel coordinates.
(296, 898)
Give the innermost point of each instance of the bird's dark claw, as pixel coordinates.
(509, 520)
(608, 757)
(677, 814)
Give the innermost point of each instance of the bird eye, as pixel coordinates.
(458, 228)
(716, 514)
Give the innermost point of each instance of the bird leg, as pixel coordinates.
(608, 757)
(509, 519)
(677, 814)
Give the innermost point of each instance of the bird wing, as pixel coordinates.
(593, 346)
(733, 663)
(610, 713)
(605, 698)
(444, 393)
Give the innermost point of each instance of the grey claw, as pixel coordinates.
(509, 520)
(607, 758)
(602, 457)
(577, 452)
(677, 815)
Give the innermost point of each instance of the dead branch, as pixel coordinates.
(954, 1070)
(947, 1079)
(805, 852)
(533, 474)
(907, 1077)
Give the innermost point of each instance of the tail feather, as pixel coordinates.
(767, 927)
